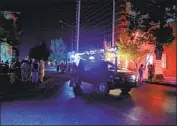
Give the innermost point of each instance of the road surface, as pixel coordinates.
(146, 105)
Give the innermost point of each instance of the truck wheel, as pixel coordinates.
(77, 88)
(125, 90)
(102, 89)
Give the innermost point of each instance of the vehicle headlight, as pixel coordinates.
(133, 77)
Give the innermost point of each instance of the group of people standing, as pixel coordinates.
(61, 67)
(150, 68)
(64, 67)
(27, 70)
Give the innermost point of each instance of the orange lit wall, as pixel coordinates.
(170, 51)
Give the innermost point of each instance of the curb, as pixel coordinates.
(163, 84)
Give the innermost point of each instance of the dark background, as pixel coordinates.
(39, 21)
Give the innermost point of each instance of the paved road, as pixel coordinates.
(146, 105)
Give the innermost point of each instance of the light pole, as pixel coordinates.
(113, 33)
(113, 24)
(72, 27)
(78, 25)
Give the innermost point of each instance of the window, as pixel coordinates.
(149, 59)
(92, 66)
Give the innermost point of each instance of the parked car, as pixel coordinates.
(104, 76)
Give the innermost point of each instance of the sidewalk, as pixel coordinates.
(28, 90)
(168, 81)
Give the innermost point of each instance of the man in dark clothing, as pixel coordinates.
(150, 69)
(15, 71)
(17, 68)
(140, 74)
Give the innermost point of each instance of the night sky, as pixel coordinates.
(95, 23)
(40, 21)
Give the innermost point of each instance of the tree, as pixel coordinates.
(58, 50)
(45, 53)
(10, 30)
(134, 49)
(152, 16)
(39, 52)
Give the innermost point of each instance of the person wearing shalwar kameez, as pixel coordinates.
(35, 72)
(25, 71)
(41, 71)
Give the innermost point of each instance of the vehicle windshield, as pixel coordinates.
(112, 67)
(92, 66)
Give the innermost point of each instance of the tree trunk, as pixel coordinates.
(136, 67)
(158, 63)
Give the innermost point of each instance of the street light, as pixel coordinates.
(71, 26)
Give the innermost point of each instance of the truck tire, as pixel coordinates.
(77, 91)
(77, 88)
(102, 89)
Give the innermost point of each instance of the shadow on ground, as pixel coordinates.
(171, 93)
(31, 95)
(113, 102)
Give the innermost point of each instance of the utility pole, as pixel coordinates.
(78, 25)
(113, 32)
(72, 41)
(113, 24)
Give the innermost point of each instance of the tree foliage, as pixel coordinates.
(39, 52)
(58, 50)
(152, 13)
(134, 48)
(10, 32)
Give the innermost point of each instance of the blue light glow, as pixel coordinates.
(77, 58)
(72, 56)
